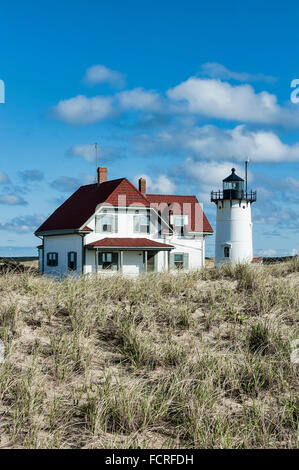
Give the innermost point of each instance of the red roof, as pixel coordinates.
(187, 205)
(129, 243)
(78, 208)
(87, 229)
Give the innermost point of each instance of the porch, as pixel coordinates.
(129, 255)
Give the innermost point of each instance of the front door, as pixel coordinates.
(151, 261)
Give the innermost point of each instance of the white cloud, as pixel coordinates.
(210, 142)
(23, 224)
(269, 252)
(12, 200)
(295, 252)
(139, 99)
(67, 184)
(85, 151)
(208, 175)
(196, 97)
(224, 101)
(290, 184)
(101, 74)
(31, 175)
(88, 179)
(190, 99)
(216, 70)
(83, 110)
(3, 178)
(241, 143)
(162, 184)
(275, 214)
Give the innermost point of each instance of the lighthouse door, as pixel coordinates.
(226, 252)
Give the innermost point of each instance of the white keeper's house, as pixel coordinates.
(111, 226)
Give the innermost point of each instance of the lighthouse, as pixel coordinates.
(233, 220)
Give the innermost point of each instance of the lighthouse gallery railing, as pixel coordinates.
(249, 196)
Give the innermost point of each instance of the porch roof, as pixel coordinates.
(130, 244)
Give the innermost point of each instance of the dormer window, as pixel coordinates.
(180, 221)
(106, 222)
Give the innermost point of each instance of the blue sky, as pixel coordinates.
(177, 91)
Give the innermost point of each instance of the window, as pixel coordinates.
(179, 260)
(179, 221)
(238, 185)
(72, 260)
(52, 259)
(106, 222)
(226, 252)
(141, 223)
(108, 261)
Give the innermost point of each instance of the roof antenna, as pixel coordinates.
(234, 160)
(96, 152)
(246, 167)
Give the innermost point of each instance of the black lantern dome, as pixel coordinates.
(233, 188)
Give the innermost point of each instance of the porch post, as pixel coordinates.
(156, 264)
(145, 261)
(97, 259)
(121, 261)
(168, 252)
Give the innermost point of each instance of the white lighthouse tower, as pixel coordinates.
(233, 221)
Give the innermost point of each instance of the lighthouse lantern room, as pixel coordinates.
(233, 220)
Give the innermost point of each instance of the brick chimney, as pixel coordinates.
(142, 186)
(102, 174)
